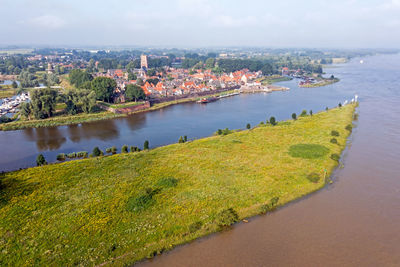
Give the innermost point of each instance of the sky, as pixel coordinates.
(202, 23)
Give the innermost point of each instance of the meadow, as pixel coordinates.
(122, 208)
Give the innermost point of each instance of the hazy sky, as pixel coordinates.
(184, 23)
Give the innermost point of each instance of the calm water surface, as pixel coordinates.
(164, 126)
(353, 222)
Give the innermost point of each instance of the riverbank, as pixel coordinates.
(90, 117)
(122, 208)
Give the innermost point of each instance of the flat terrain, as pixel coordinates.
(122, 208)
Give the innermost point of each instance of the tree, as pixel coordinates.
(132, 76)
(134, 92)
(272, 120)
(25, 110)
(104, 88)
(303, 113)
(210, 63)
(340, 105)
(310, 112)
(180, 141)
(124, 149)
(294, 116)
(79, 77)
(96, 152)
(185, 138)
(43, 102)
(40, 160)
(146, 145)
(14, 84)
(248, 126)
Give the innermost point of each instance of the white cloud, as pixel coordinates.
(48, 22)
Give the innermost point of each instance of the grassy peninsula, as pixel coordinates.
(122, 208)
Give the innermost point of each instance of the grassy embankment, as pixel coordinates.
(322, 82)
(83, 117)
(122, 208)
(7, 91)
(274, 79)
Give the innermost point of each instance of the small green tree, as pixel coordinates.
(219, 131)
(96, 152)
(334, 133)
(326, 108)
(248, 126)
(114, 149)
(180, 141)
(40, 160)
(14, 85)
(146, 144)
(272, 120)
(310, 112)
(185, 138)
(340, 105)
(124, 149)
(294, 116)
(303, 113)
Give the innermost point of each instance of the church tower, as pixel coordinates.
(143, 62)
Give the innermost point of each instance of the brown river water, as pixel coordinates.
(353, 222)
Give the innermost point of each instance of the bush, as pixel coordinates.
(96, 152)
(303, 113)
(248, 126)
(82, 154)
(227, 217)
(5, 119)
(272, 120)
(134, 149)
(40, 160)
(294, 116)
(71, 155)
(313, 177)
(124, 149)
(340, 105)
(326, 108)
(146, 145)
(262, 123)
(195, 226)
(108, 150)
(270, 206)
(61, 157)
(335, 157)
(114, 149)
(349, 127)
(334, 133)
(219, 132)
(334, 141)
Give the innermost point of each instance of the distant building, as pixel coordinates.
(49, 68)
(143, 62)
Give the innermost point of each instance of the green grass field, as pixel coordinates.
(122, 208)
